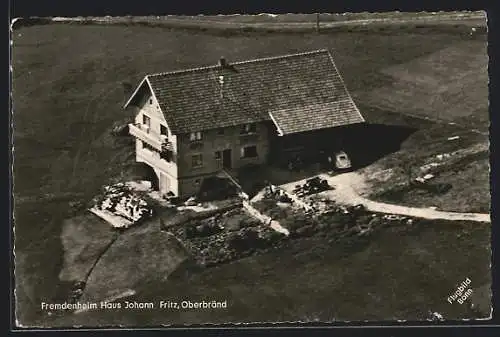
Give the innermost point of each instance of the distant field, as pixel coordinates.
(300, 23)
(291, 21)
(311, 17)
(68, 90)
(323, 17)
(450, 84)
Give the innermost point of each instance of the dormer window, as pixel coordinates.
(195, 136)
(249, 128)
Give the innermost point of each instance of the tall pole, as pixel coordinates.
(317, 22)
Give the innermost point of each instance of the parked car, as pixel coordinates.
(342, 161)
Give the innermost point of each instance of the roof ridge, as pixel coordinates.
(345, 99)
(180, 71)
(316, 51)
(269, 58)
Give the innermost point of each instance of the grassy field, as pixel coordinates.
(68, 89)
(315, 279)
(468, 174)
(450, 84)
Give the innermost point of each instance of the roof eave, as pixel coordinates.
(134, 93)
(280, 132)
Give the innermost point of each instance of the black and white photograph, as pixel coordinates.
(174, 171)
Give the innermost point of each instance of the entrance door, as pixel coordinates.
(226, 159)
(153, 178)
(164, 183)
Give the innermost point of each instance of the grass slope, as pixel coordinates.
(400, 273)
(84, 239)
(134, 257)
(451, 84)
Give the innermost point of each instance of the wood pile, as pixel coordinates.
(120, 201)
(312, 186)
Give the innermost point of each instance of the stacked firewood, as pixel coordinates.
(121, 201)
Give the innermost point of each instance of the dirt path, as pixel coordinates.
(349, 188)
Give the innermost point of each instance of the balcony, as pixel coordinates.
(143, 133)
(154, 160)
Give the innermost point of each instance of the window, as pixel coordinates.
(146, 121)
(150, 101)
(163, 130)
(194, 136)
(249, 128)
(197, 160)
(249, 151)
(218, 155)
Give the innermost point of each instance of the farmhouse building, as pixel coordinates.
(191, 124)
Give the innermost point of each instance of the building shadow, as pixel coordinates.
(365, 143)
(142, 171)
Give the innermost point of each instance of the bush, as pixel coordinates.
(297, 221)
(270, 236)
(305, 230)
(190, 231)
(243, 240)
(265, 205)
(120, 129)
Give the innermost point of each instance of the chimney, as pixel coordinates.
(222, 62)
(221, 82)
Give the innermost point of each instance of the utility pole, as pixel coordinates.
(317, 22)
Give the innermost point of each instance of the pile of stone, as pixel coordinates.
(424, 183)
(206, 228)
(121, 201)
(212, 243)
(312, 186)
(285, 198)
(76, 291)
(347, 221)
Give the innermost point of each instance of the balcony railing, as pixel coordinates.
(143, 133)
(155, 161)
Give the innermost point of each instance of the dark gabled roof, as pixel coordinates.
(316, 116)
(289, 89)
